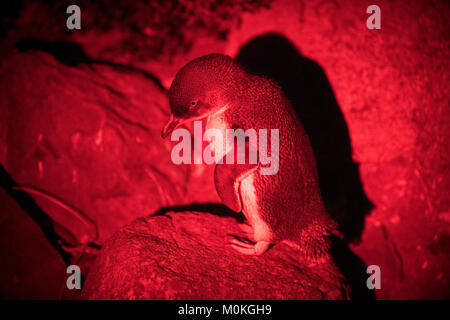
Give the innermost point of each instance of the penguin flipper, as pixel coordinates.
(227, 179)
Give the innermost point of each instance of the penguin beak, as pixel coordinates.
(170, 126)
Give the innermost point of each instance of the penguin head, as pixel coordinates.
(198, 90)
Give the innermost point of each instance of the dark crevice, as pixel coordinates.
(217, 209)
(353, 268)
(27, 203)
(72, 54)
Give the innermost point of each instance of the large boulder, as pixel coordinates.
(184, 255)
(88, 135)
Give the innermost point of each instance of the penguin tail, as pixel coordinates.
(315, 241)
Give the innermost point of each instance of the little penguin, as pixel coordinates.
(281, 207)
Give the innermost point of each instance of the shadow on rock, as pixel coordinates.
(27, 203)
(216, 209)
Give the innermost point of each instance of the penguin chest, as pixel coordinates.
(216, 127)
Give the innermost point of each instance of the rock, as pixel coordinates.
(184, 256)
(30, 267)
(90, 136)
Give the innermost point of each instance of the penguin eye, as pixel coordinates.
(193, 103)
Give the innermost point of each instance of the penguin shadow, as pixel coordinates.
(307, 87)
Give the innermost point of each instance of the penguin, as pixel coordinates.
(281, 207)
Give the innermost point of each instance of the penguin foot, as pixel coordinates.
(248, 230)
(256, 249)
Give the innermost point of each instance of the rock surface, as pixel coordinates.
(184, 255)
(89, 135)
